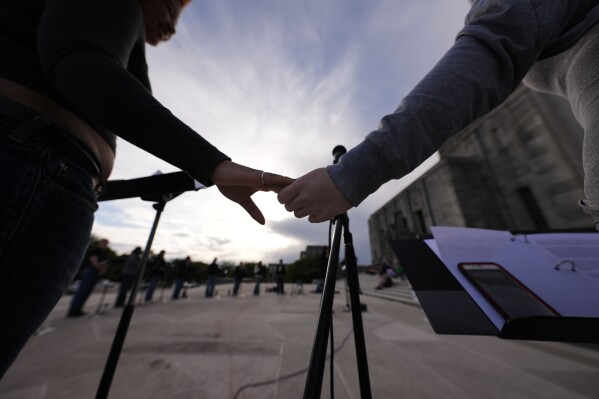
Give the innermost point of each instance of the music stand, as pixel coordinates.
(314, 379)
(159, 189)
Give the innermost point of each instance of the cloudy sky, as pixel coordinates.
(276, 85)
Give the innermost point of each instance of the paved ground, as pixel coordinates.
(259, 347)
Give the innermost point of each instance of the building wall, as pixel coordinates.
(313, 250)
(518, 168)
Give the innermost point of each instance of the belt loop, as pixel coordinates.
(29, 128)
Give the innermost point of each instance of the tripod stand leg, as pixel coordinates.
(313, 386)
(317, 361)
(121, 333)
(356, 309)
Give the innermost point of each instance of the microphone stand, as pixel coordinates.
(314, 379)
(159, 189)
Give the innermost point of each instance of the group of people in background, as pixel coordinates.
(97, 261)
(259, 273)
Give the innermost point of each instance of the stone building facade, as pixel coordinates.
(517, 168)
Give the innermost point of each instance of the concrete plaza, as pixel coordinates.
(259, 347)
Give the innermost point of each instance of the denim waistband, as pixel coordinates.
(32, 124)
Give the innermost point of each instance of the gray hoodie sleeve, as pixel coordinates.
(491, 55)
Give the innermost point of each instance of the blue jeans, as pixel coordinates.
(280, 284)
(89, 278)
(152, 283)
(210, 286)
(47, 207)
(177, 290)
(257, 286)
(127, 281)
(237, 283)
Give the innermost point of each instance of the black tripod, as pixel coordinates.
(317, 360)
(159, 189)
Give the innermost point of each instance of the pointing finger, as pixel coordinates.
(250, 207)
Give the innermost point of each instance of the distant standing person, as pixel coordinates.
(237, 277)
(280, 273)
(156, 273)
(97, 263)
(258, 272)
(128, 276)
(211, 281)
(181, 272)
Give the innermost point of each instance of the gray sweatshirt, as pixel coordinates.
(500, 42)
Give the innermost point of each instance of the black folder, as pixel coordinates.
(451, 310)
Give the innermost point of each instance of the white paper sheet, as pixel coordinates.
(532, 259)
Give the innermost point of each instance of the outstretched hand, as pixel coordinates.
(238, 183)
(314, 195)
